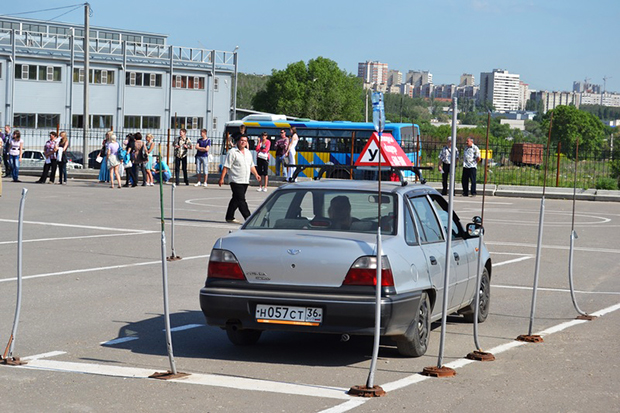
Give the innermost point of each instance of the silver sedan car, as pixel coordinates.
(306, 261)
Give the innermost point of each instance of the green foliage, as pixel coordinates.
(570, 124)
(607, 183)
(248, 85)
(602, 112)
(401, 108)
(317, 90)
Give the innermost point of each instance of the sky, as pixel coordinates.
(549, 43)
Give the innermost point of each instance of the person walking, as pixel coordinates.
(445, 157)
(181, 144)
(202, 157)
(291, 151)
(240, 164)
(112, 148)
(281, 148)
(63, 145)
(6, 136)
(471, 157)
(49, 151)
(16, 148)
(262, 161)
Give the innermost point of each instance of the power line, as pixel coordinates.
(67, 12)
(43, 10)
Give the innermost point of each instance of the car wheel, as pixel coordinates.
(485, 300)
(242, 337)
(415, 342)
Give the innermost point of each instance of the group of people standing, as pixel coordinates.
(55, 158)
(12, 149)
(471, 157)
(286, 148)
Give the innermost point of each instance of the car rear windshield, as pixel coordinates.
(326, 210)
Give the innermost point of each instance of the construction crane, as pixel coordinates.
(605, 78)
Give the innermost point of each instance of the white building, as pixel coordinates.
(467, 80)
(373, 72)
(395, 77)
(419, 78)
(551, 100)
(501, 89)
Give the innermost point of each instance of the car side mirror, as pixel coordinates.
(474, 230)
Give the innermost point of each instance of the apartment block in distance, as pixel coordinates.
(501, 89)
(373, 72)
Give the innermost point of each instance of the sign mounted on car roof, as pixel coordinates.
(390, 152)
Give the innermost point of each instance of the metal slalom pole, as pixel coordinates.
(172, 257)
(371, 390)
(172, 373)
(478, 354)
(573, 236)
(440, 370)
(7, 357)
(529, 337)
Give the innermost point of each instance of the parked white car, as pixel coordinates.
(36, 160)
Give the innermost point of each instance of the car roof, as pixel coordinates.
(353, 185)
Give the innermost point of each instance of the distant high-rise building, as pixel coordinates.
(524, 94)
(419, 78)
(373, 72)
(467, 80)
(586, 87)
(501, 89)
(395, 77)
(551, 100)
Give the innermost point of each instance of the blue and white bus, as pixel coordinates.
(321, 143)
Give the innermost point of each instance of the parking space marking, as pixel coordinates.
(558, 290)
(238, 383)
(119, 340)
(44, 355)
(512, 261)
(111, 267)
(55, 224)
(552, 247)
(80, 237)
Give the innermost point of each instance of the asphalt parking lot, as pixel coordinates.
(91, 324)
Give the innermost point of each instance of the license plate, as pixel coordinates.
(283, 314)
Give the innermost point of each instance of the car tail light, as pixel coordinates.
(224, 264)
(364, 272)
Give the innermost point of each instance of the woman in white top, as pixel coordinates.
(113, 162)
(291, 152)
(16, 147)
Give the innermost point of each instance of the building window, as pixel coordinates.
(143, 79)
(24, 120)
(132, 122)
(216, 84)
(96, 121)
(187, 122)
(45, 120)
(188, 82)
(214, 123)
(151, 122)
(34, 72)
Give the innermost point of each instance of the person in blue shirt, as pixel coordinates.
(164, 168)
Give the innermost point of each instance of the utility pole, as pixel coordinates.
(86, 81)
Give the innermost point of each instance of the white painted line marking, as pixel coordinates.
(558, 290)
(185, 327)
(119, 340)
(44, 355)
(239, 383)
(510, 261)
(54, 224)
(112, 267)
(553, 247)
(81, 237)
(607, 310)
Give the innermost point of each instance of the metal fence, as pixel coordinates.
(502, 169)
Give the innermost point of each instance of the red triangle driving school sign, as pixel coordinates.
(390, 152)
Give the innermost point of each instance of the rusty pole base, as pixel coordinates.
(364, 391)
(480, 356)
(173, 258)
(12, 361)
(438, 371)
(168, 375)
(585, 317)
(530, 339)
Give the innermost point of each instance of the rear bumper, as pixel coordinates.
(342, 312)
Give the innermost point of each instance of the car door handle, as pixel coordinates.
(456, 257)
(433, 260)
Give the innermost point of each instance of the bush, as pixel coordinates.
(606, 183)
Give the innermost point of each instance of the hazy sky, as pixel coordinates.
(549, 43)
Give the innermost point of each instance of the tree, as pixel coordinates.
(317, 90)
(248, 85)
(570, 123)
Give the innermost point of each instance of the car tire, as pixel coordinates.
(242, 337)
(415, 342)
(485, 300)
